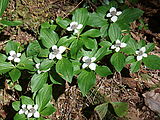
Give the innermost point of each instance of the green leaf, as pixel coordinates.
(48, 110)
(48, 37)
(120, 108)
(118, 61)
(33, 48)
(11, 45)
(63, 23)
(92, 33)
(44, 53)
(16, 105)
(104, 30)
(103, 71)
(2, 57)
(18, 87)
(46, 64)
(89, 43)
(44, 96)
(149, 47)
(130, 59)
(64, 41)
(65, 72)
(105, 44)
(102, 110)
(38, 80)
(3, 6)
(11, 23)
(86, 80)
(135, 66)
(19, 117)
(152, 62)
(27, 100)
(114, 32)
(5, 67)
(15, 74)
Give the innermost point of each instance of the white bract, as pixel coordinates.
(24, 109)
(88, 62)
(14, 56)
(56, 52)
(141, 53)
(40, 71)
(118, 45)
(113, 13)
(74, 26)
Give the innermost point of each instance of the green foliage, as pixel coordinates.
(3, 6)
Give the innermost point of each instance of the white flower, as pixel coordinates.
(24, 110)
(74, 26)
(14, 56)
(141, 53)
(56, 52)
(118, 45)
(113, 13)
(40, 71)
(32, 111)
(88, 62)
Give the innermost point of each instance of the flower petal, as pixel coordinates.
(137, 52)
(21, 111)
(139, 58)
(12, 52)
(76, 31)
(118, 13)
(93, 59)
(29, 115)
(117, 49)
(85, 58)
(23, 106)
(10, 58)
(123, 45)
(29, 107)
(84, 65)
(92, 66)
(36, 114)
(37, 65)
(114, 18)
(113, 47)
(59, 56)
(109, 15)
(26, 112)
(144, 55)
(118, 41)
(73, 23)
(17, 59)
(51, 56)
(18, 54)
(69, 29)
(54, 47)
(36, 107)
(62, 49)
(39, 72)
(112, 9)
(143, 49)
(79, 26)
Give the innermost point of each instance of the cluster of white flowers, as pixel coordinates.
(113, 13)
(40, 71)
(141, 53)
(88, 62)
(118, 45)
(29, 110)
(74, 26)
(57, 52)
(14, 56)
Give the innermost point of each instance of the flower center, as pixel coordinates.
(140, 53)
(32, 110)
(113, 13)
(74, 26)
(55, 51)
(118, 44)
(14, 56)
(88, 61)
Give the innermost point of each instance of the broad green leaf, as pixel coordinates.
(62, 22)
(11, 23)
(114, 32)
(2, 57)
(102, 10)
(16, 105)
(86, 80)
(20, 117)
(65, 69)
(92, 33)
(103, 71)
(104, 30)
(27, 100)
(33, 48)
(96, 20)
(89, 43)
(3, 6)
(118, 61)
(152, 62)
(44, 53)
(48, 37)
(38, 80)
(120, 108)
(64, 41)
(18, 87)
(141, 43)
(105, 44)
(135, 66)
(11, 45)
(5, 67)
(46, 64)
(48, 110)
(45, 25)
(101, 110)
(149, 47)
(44, 96)
(130, 59)
(15, 74)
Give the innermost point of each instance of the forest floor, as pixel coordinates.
(135, 89)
